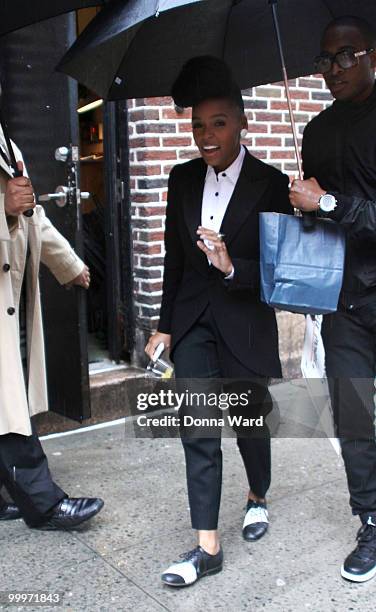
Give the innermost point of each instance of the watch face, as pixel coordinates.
(327, 202)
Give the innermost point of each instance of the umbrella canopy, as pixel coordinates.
(135, 48)
(17, 14)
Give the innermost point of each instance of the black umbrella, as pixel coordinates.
(17, 14)
(135, 48)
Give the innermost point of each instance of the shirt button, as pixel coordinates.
(224, 174)
(6, 267)
(11, 310)
(216, 193)
(211, 217)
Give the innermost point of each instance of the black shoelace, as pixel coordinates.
(366, 538)
(191, 555)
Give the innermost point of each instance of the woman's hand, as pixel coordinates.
(156, 339)
(218, 254)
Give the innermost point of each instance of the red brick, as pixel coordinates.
(176, 142)
(281, 128)
(151, 261)
(267, 92)
(155, 128)
(315, 107)
(255, 104)
(143, 142)
(151, 249)
(185, 127)
(268, 142)
(146, 223)
(254, 127)
(281, 105)
(145, 170)
(155, 155)
(170, 113)
(311, 83)
(282, 154)
(150, 236)
(142, 115)
(298, 94)
(299, 118)
(152, 286)
(149, 312)
(147, 273)
(149, 300)
(149, 211)
(260, 116)
(144, 197)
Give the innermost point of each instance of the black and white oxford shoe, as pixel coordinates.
(256, 521)
(194, 565)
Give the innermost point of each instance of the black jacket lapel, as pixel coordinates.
(193, 199)
(250, 186)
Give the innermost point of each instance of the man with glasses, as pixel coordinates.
(339, 158)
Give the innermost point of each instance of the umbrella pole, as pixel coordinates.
(273, 4)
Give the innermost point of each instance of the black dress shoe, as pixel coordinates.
(360, 565)
(72, 511)
(9, 512)
(195, 564)
(256, 521)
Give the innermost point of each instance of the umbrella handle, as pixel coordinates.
(308, 218)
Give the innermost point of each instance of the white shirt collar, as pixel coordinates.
(232, 172)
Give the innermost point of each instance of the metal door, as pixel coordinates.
(118, 232)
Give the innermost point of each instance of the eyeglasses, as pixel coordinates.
(347, 58)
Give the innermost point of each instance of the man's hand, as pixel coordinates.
(156, 339)
(19, 194)
(218, 255)
(83, 279)
(305, 195)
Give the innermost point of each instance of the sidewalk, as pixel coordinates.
(114, 563)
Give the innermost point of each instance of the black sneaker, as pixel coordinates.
(195, 564)
(360, 565)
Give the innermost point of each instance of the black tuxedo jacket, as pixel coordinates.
(247, 325)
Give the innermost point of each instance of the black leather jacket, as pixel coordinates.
(339, 150)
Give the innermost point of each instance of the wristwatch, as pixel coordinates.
(327, 203)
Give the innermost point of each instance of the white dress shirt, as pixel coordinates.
(218, 190)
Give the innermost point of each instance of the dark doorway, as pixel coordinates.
(41, 111)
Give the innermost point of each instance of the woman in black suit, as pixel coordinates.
(211, 316)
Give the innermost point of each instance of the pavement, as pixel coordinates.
(114, 561)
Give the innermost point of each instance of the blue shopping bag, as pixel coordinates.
(301, 271)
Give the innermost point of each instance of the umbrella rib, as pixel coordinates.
(137, 27)
(226, 28)
(330, 11)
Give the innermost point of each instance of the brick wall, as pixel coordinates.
(161, 138)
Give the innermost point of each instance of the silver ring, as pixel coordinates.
(220, 237)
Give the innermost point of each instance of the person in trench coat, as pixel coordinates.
(24, 243)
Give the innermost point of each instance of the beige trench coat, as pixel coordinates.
(48, 246)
